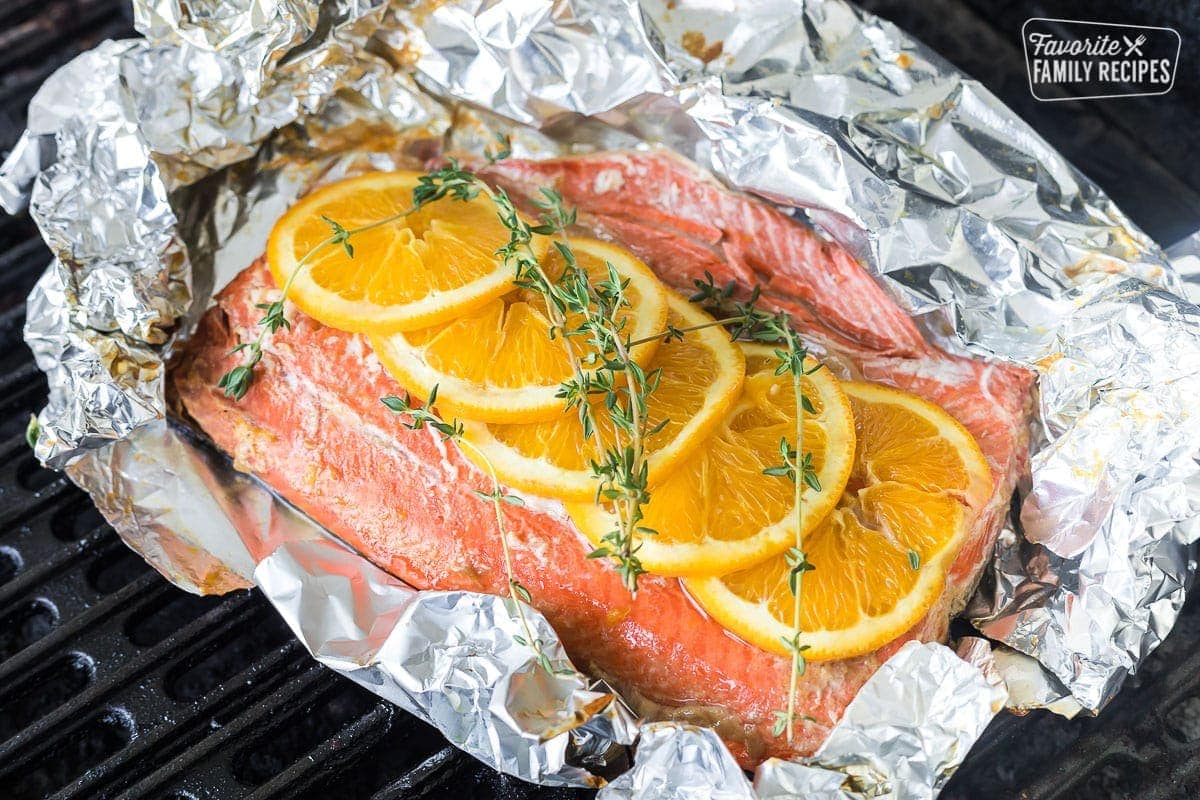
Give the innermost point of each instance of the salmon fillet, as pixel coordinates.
(313, 428)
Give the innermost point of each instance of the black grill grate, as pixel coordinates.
(115, 685)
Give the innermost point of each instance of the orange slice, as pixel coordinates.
(717, 511)
(423, 269)
(701, 378)
(499, 362)
(880, 557)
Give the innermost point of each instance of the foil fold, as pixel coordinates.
(451, 659)
(911, 725)
(902, 737)
(676, 761)
(110, 136)
(536, 62)
(153, 167)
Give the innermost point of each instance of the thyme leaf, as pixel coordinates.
(32, 431)
(502, 151)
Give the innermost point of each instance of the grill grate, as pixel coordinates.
(115, 685)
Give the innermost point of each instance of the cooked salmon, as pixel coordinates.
(312, 427)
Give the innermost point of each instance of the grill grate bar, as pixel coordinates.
(146, 587)
(16, 405)
(19, 82)
(23, 262)
(16, 10)
(170, 740)
(56, 21)
(58, 721)
(310, 680)
(22, 375)
(21, 265)
(341, 748)
(417, 781)
(13, 318)
(29, 488)
(42, 569)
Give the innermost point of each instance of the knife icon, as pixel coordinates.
(1134, 47)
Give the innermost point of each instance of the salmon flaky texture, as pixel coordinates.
(312, 426)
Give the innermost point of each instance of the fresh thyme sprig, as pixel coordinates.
(418, 417)
(623, 386)
(747, 321)
(579, 308)
(445, 182)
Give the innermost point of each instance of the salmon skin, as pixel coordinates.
(313, 428)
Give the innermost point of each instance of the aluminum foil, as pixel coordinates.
(902, 737)
(450, 658)
(676, 761)
(153, 167)
(110, 135)
(912, 724)
(1185, 257)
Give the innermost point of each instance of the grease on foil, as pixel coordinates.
(153, 166)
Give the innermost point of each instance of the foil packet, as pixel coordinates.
(153, 166)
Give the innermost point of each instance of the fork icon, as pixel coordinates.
(1134, 47)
